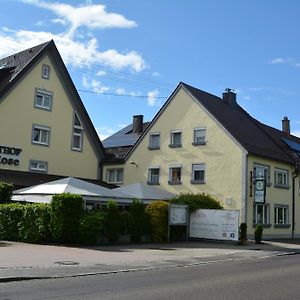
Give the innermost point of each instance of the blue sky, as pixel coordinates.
(129, 55)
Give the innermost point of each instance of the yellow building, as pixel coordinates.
(199, 142)
(45, 130)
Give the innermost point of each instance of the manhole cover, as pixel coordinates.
(67, 263)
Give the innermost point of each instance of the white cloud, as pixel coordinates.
(247, 97)
(75, 53)
(94, 85)
(101, 73)
(156, 74)
(104, 132)
(279, 60)
(120, 91)
(152, 97)
(91, 16)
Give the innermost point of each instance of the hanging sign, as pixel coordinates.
(259, 190)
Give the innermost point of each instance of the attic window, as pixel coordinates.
(77, 136)
(45, 71)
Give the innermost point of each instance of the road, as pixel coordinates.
(260, 278)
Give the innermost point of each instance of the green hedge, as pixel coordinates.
(92, 225)
(25, 223)
(137, 221)
(6, 190)
(197, 201)
(113, 222)
(67, 210)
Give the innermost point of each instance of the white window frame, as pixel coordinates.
(198, 167)
(115, 176)
(176, 181)
(43, 94)
(265, 218)
(173, 133)
(202, 137)
(152, 146)
(285, 177)
(46, 71)
(41, 129)
(156, 177)
(285, 214)
(267, 172)
(42, 166)
(77, 133)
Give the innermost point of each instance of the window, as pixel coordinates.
(198, 173)
(281, 214)
(199, 136)
(175, 139)
(77, 134)
(153, 176)
(175, 175)
(38, 166)
(154, 141)
(114, 176)
(45, 71)
(281, 178)
(41, 135)
(43, 99)
(262, 171)
(261, 214)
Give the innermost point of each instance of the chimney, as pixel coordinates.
(137, 124)
(286, 126)
(229, 97)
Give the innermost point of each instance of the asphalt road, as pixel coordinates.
(259, 278)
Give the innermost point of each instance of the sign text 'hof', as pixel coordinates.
(10, 155)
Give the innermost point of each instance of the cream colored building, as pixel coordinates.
(45, 130)
(199, 142)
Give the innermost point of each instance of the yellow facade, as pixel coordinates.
(222, 155)
(228, 166)
(18, 115)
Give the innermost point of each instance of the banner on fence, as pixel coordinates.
(215, 224)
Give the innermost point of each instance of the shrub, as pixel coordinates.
(138, 220)
(197, 201)
(258, 233)
(157, 213)
(34, 226)
(113, 222)
(67, 210)
(10, 217)
(26, 223)
(91, 228)
(6, 190)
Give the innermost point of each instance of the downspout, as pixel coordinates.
(245, 189)
(295, 175)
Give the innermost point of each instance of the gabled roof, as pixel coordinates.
(14, 67)
(246, 130)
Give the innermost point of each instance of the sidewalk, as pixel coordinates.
(20, 261)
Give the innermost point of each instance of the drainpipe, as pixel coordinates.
(295, 175)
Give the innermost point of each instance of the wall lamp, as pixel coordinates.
(133, 163)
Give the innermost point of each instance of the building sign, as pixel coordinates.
(217, 224)
(259, 190)
(9, 156)
(178, 214)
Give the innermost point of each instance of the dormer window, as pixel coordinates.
(77, 137)
(45, 71)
